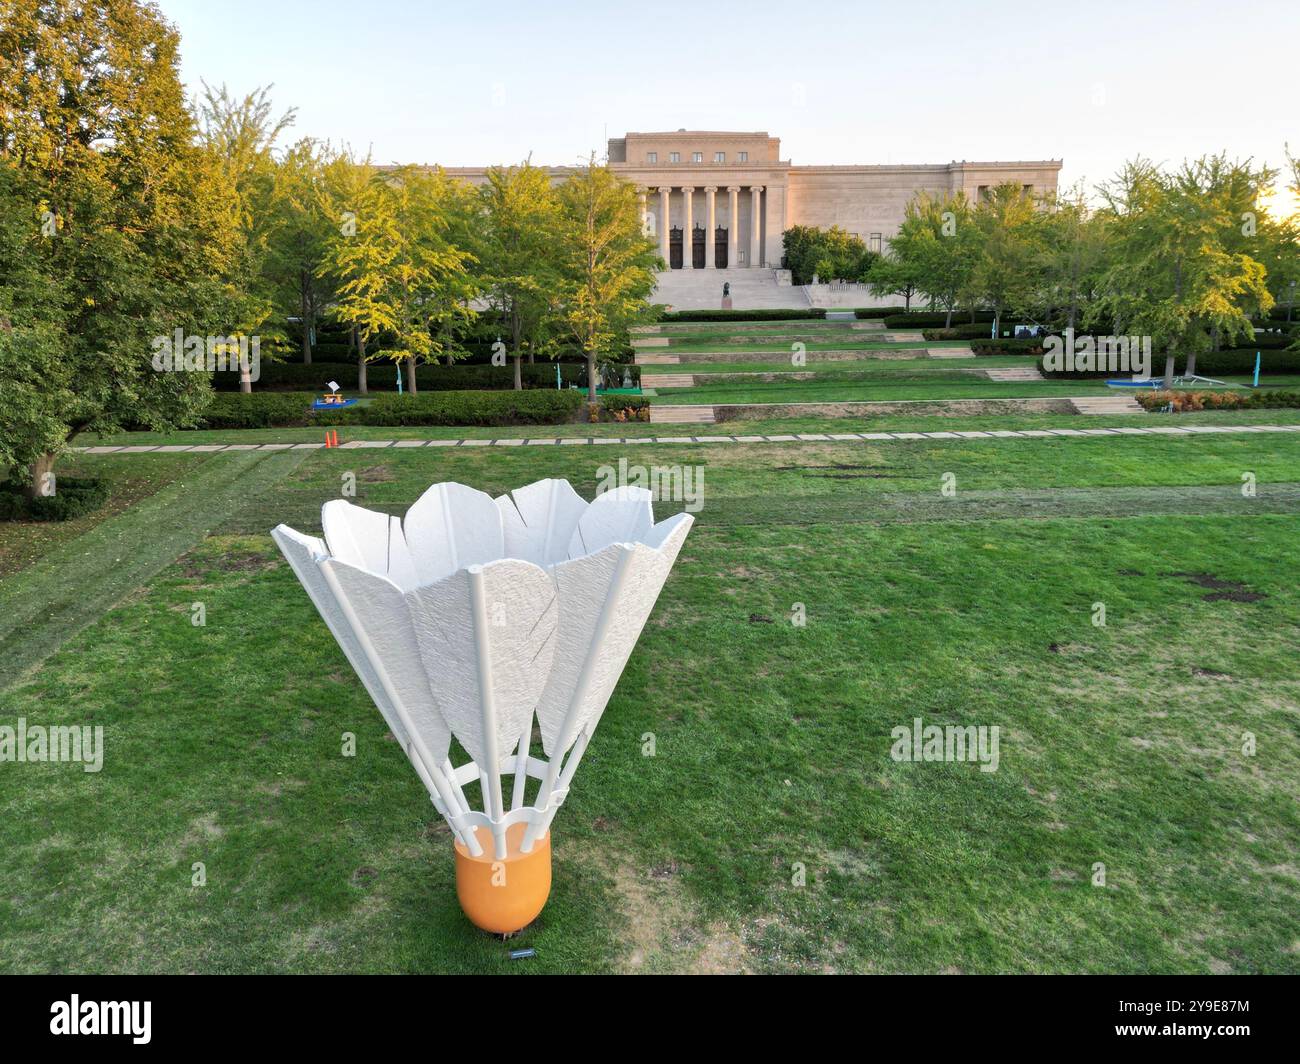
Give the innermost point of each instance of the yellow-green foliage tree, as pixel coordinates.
(521, 252)
(116, 228)
(1181, 268)
(608, 263)
(398, 272)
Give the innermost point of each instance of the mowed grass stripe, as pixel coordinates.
(77, 582)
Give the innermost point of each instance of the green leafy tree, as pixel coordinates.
(608, 266)
(1072, 250)
(1180, 269)
(937, 243)
(1004, 271)
(520, 252)
(241, 133)
(297, 259)
(117, 229)
(895, 275)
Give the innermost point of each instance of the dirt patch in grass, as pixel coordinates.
(660, 929)
(1223, 590)
(193, 566)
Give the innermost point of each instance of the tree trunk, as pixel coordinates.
(361, 377)
(450, 361)
(1169, 371)
(1191, 364)
(591, 376)
(530, 356)
(907, 302)
(306, 329)
(245, 375)
(948, 321)
(414, 389)
(42, 482)
(519, 373)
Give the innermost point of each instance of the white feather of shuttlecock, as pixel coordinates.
(477, 617)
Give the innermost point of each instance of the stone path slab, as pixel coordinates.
(804, 437)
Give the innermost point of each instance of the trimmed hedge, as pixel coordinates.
(979, 331)
(74, 497)
(294, 376)
(928, 320)
(620, 408)
(743, 315)
(877, 312)
(293, 409)
(1182, 402)
(1006, 347)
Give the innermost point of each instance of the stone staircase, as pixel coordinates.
(1015, 373)
(1107, 404)
(640, 359)
(659, 381)
(682, 415)
(750, 290)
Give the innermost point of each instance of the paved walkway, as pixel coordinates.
(803, 437)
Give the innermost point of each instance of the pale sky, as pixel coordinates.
(468, 83)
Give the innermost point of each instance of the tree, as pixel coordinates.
(1072, 249)
(937, 242)
(361, 249)
(297, 260)
(520, 260)
(1178, 272)
(400, 278)
(608, 266)
(117, 229)
(240, 134)
(1003, 274)
(894, 275)
(828, 254)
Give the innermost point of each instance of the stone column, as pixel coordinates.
(733, 227)
(664, 225)
(709, 240)
(688, 237)
(755, 226)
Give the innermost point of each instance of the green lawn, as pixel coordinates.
(1119, 744)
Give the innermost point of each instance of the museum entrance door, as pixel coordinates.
(697, 247)
(674, 248)
(720, 248)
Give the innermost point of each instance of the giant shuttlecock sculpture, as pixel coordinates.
(475, 617)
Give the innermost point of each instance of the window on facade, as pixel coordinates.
(674, 156)
(697, 156)
(652, 156)
(1029, 190)
(719, 156)
(744, 156)
(874, 246)
(983, 193)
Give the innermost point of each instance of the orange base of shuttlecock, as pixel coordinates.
(504, 896)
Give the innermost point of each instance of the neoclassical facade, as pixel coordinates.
(722, 200)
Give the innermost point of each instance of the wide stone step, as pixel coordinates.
(668, 380)
(681, 415)
(656, 360)
(1107, 404)
(1015, 373)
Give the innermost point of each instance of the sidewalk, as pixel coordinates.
(806, 437)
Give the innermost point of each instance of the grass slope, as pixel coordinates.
(1120, 745)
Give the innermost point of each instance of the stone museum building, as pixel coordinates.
(721, 200)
